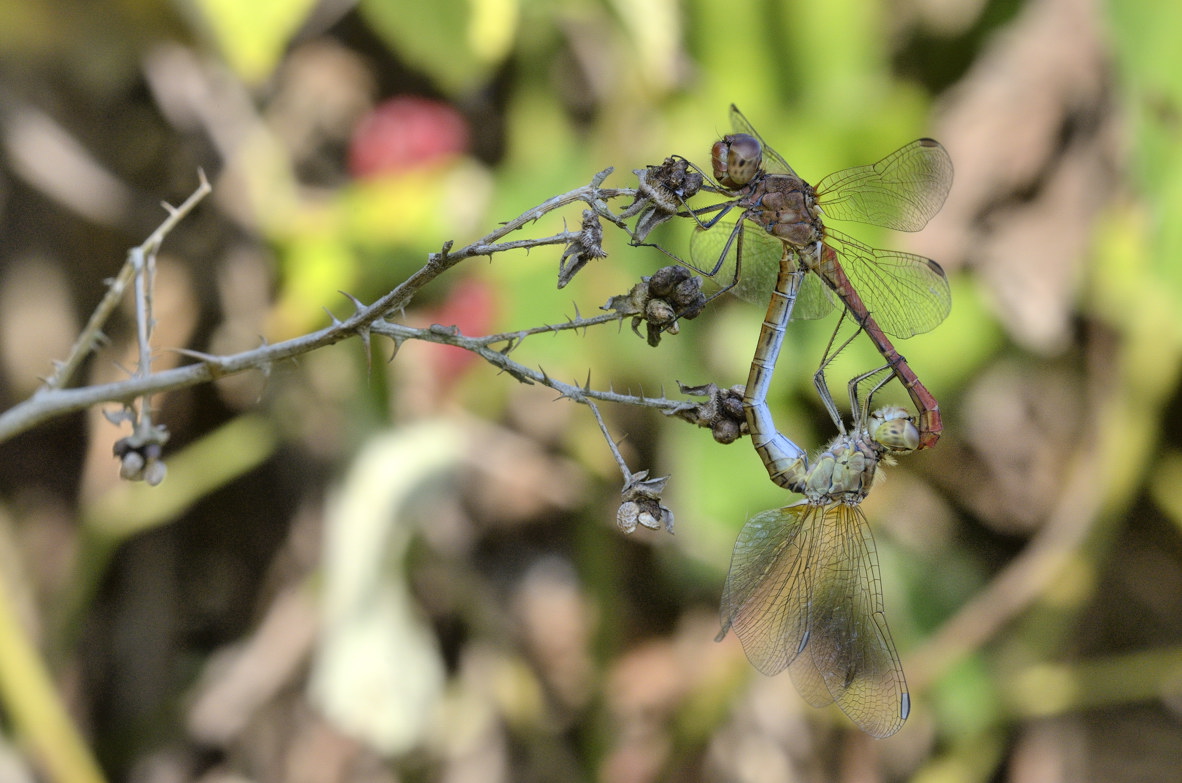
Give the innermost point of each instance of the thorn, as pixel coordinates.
(356, 302)
(335, 321)
(398, 341)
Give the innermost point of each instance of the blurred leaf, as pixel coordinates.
(253, 36)
(967, 699)
(656, 27)
(378, 672)
(456, 42)
(1165, 484)
(317, 268)
(395, 209)
(1151, 64)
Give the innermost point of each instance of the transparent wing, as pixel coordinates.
(902, 191)
(906, 294)
(771, 159)
(849, 656)
(804, 593)
(758, 251)
(815, 300)
(761, 254)
(767, 589)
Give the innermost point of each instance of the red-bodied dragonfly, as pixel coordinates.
(779, 222)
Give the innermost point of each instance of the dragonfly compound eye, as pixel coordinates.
(744, 158)
(894, 428)
(737, 159)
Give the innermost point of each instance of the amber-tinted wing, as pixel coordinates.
(804, 592)
(906, 294)
(902, 191)
(850, 657)
(767, 586)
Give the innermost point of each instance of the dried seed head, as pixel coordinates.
(641, 505)
(659, 312)
(726, 431)
(661, 191)
(666, 279)
(586, 246)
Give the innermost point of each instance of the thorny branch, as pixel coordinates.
(659, 301)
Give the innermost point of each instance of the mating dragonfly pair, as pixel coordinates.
(803, 592)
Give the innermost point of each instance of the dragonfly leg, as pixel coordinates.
(928, 421)
(861, 411)
(722, 209)
(822, 384)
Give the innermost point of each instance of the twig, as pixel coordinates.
(53, 400)
(92, 333)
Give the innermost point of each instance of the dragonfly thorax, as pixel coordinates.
(844, 472)
(737, 159)
(785, 206)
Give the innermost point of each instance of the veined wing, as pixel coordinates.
(767, 589)
(849, 656)
(771, 159)
(761, 254)
(902, 191)
(906, 294)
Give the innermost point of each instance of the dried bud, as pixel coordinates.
(587, 246)
(628, 516)
(641, 505)
(139, 455)
(722, 411)
(731, 404)
(659, 312)
(688, 298)
(661, 191)
(154, 472)
(131, 466)
(671, 293)
(666, 279)
(726, 431)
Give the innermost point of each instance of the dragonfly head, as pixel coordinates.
(894, 429)
(737, 158)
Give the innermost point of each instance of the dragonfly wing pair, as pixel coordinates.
(804, 593)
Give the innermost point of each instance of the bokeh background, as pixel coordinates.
(372, 569)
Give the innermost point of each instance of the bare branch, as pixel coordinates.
(53, 400)
(91, 334)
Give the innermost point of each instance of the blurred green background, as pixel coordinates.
(365, 568)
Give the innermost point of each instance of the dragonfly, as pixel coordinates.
(776, 220)
(804, 592)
